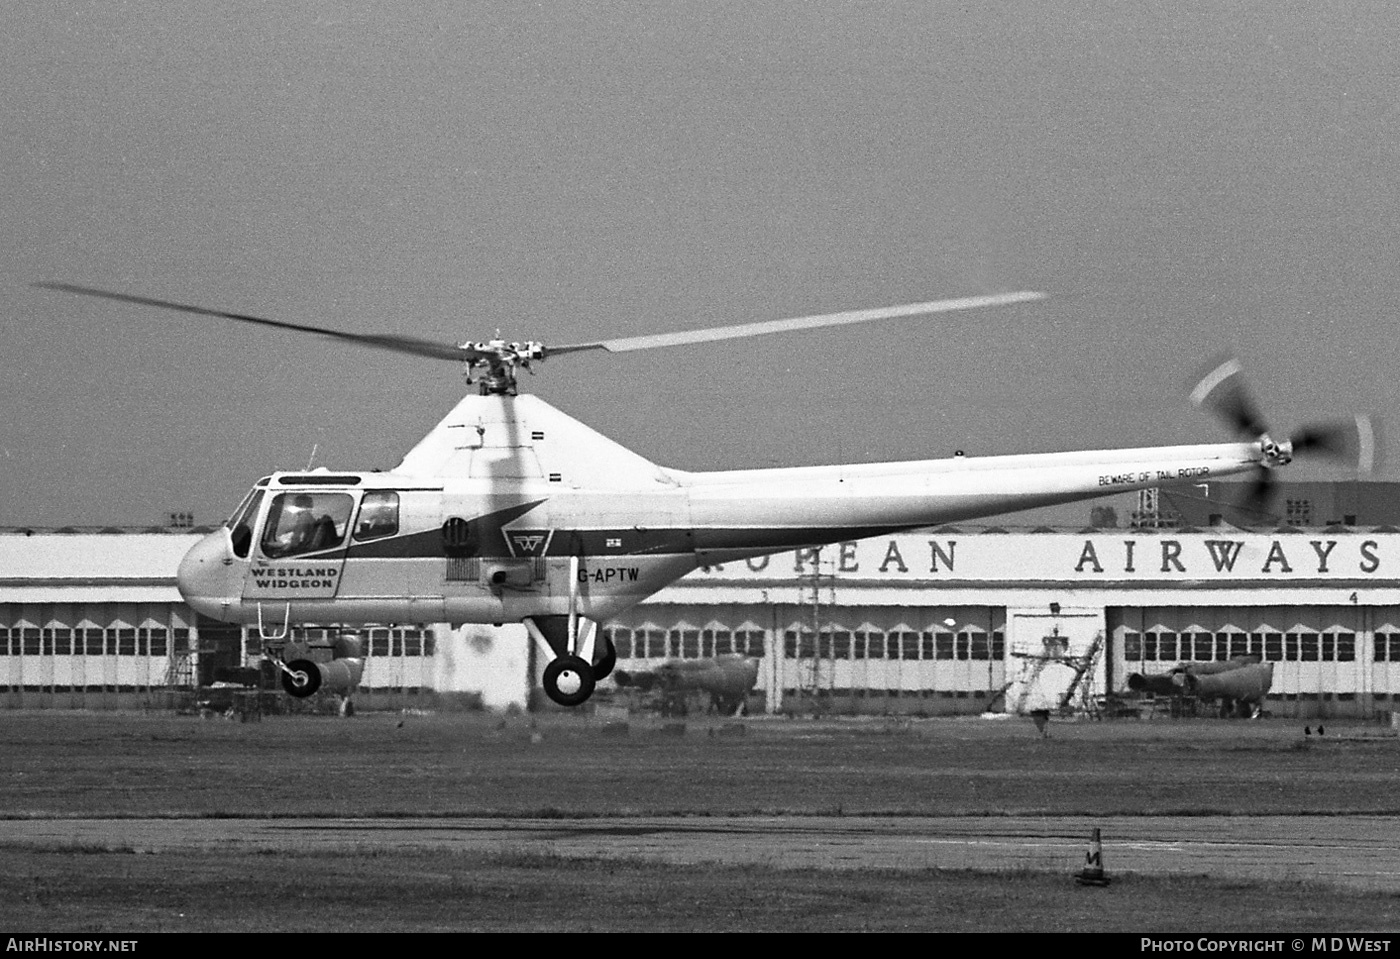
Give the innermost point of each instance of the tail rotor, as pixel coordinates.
(1222, 390)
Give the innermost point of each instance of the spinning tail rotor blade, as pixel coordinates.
(1258, 498)
(1222, 390)
(1355, 441)
(683, 337)
(397, 344)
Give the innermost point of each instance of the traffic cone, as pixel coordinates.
(1092, 873)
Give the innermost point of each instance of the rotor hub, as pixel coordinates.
(1275, 453)
(498, 361)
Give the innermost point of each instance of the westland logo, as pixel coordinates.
(524, 543)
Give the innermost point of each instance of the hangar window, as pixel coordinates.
(1290, 647)
(379, 642)
(736, 642)
(1166, 646)
(1329, 647)
(4, 640)
(1256, 645)
(790, 644)
(1308, 647)
(1132, 646)
(159, 641)
(909, 646)
(724, 643)
(876, 647)
(1149, 646)
(413, 642)
(31, 639)
(690, 643)
(964, 645)
(656, 644)
(1273, 646)
(841, 645)
(979, 647)
(749, 642)
(62, 642)
(943, 645)
(92, 641)
(621, 639)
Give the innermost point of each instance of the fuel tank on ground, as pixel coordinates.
(1249, 683)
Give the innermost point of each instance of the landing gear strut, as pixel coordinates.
(573, 672)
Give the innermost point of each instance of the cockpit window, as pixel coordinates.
(305, 522)
(240, 524)
(379, 515)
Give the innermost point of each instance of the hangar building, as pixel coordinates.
(945, 621)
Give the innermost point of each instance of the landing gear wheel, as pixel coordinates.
(301, 678)
(604, 667)
(568, 681)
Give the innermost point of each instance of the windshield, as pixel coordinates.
(240, 524)
(305, 522)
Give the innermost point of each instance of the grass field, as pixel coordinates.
(69, 764)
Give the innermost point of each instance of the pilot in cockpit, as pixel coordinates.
(297, 525)
(302, 523)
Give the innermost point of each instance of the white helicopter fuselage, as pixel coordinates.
(510, 510)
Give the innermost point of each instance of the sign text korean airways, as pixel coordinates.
(1102, 556)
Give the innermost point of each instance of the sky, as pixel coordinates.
(1182, 178)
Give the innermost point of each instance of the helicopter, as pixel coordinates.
(510, 510)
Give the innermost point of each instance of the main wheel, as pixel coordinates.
(568, 681)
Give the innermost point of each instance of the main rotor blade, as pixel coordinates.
(683, 337)
(397, 344)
